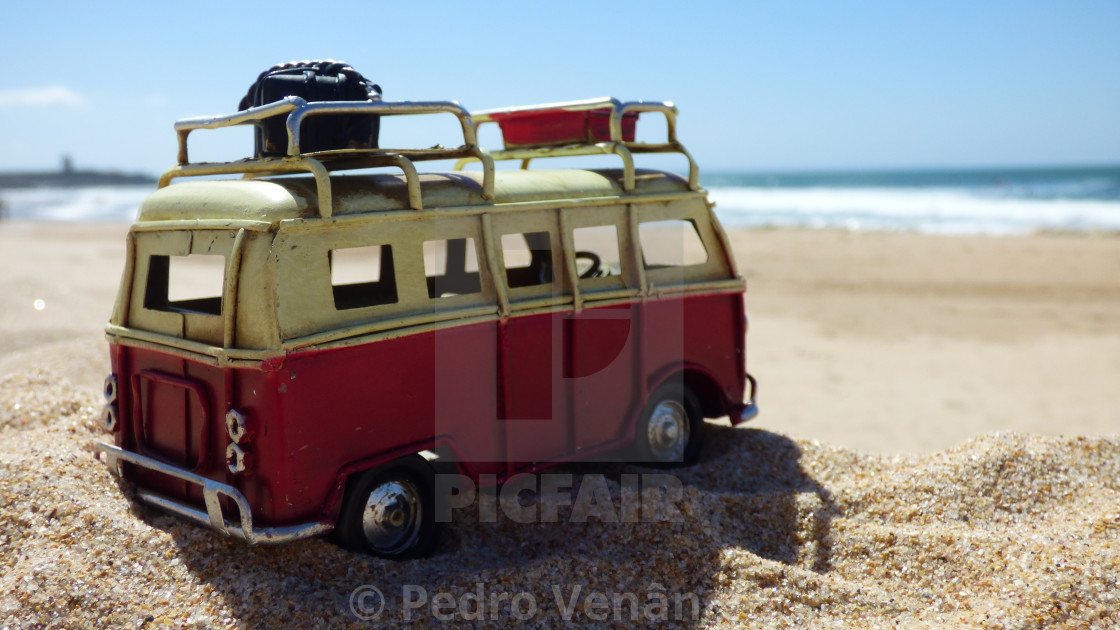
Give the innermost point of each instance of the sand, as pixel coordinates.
(939, 447)
(909, 343)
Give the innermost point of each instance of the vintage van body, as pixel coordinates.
(499, 321)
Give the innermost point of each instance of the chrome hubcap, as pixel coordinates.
(393, 515)
(668, 431)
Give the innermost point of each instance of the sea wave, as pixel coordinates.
(933, 210)
(94, 203)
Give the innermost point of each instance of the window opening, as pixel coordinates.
(673, 243)
(528, 259)
(191, 283)
(451, 267)
(362, 276)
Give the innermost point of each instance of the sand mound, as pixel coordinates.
(1006, 530)
(38, 396)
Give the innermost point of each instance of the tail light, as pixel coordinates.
(238, 426)
(110, 417)
(239, 459)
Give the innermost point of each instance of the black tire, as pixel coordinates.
(670, 431)
(389, 511)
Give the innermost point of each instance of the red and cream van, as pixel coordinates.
(294, 351)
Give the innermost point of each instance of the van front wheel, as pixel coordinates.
(670, 431)
(389, 512)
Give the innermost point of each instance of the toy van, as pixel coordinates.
(358, 330)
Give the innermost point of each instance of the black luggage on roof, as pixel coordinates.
(314, 81)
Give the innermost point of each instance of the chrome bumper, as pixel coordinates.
(211, 490)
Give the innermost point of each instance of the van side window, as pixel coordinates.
(451, 267)
(597, 251)
(673, 243)
(185, 284)
(528, 259)
(362, 276)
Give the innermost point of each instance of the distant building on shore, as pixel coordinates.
(69, 177)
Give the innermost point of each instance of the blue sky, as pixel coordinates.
(760, 86)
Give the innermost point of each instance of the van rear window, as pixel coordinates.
(362, 276)
(185, 284)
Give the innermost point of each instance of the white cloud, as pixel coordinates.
(45, 96)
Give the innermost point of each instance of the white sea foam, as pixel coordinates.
(934, 210)
(95, 203)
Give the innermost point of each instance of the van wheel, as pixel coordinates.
(670, 431)
(390, 511)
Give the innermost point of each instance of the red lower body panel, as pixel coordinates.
(501, 396)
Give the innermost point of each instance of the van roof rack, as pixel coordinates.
(587, 127)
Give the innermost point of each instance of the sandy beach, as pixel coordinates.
(911, 343)
(939, 446)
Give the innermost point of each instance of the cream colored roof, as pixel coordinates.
(276, 199)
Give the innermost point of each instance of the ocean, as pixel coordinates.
(988, 201)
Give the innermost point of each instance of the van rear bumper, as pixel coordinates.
(750, 409)
(211, 490)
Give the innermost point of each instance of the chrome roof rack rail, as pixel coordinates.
(321, 163)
